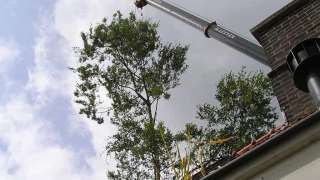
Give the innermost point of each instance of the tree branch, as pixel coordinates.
(132, 75)
(156, 110)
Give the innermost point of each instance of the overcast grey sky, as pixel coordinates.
(41, 134)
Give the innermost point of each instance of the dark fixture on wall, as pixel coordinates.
(304, 63)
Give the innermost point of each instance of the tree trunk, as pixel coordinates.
(157, 175)
(156, 161)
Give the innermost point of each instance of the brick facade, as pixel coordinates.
(298, 21)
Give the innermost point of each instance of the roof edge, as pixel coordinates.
(280, 14)
(263, 148)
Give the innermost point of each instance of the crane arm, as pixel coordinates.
(210, 29)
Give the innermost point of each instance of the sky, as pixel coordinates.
(41, 134)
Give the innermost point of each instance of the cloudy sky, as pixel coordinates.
(41, 135)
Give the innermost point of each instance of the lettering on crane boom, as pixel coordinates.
(224, 32)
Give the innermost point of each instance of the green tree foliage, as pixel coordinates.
(126, 59)
(244, 112)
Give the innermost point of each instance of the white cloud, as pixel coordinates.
(74, 16)
(32, 147)
(70, 18)
(8, 51)
(51, 58)
(28, 154)
(29, 145)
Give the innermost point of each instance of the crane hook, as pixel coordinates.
(140, 3)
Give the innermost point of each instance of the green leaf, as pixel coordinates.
(156, 91)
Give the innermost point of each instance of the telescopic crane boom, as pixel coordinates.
(210, 29)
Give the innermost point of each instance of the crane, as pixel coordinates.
(210, 29)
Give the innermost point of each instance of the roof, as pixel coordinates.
(271, 133)
(223, 161)
(268, 142)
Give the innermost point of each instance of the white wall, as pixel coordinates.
(303, 165)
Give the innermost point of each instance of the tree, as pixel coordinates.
(126, 60)
(244, 113)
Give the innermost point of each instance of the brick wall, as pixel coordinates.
(298, 21)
